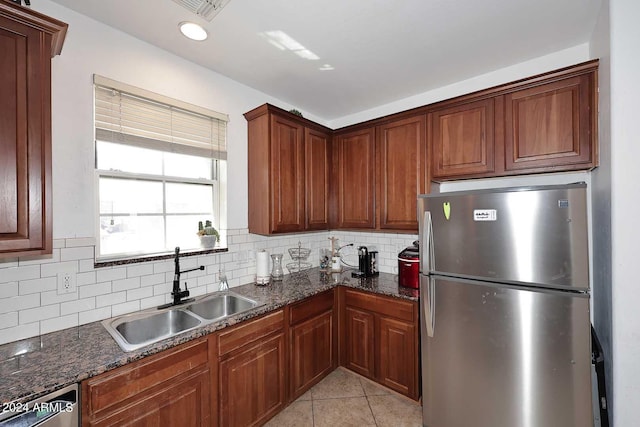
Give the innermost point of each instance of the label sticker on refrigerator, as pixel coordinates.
(485, 215)
(446, 207)
(563, 203)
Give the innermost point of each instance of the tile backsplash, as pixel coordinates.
(30, 304)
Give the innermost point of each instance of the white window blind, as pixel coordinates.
(128, 115)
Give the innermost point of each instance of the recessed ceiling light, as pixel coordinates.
(193, 31)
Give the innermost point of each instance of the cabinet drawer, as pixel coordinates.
(110, 390)
(387, 306)
(239, 336)
(310, 307)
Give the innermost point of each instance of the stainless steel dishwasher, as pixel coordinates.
(58, 409)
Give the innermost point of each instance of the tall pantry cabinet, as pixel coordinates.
(28, 41)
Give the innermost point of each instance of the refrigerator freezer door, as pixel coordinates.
(525, 236)
(503, 356)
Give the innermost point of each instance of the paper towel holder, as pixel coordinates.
(262, 268)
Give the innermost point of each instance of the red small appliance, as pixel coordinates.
(409, 267)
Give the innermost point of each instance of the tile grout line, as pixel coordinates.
(366, 396)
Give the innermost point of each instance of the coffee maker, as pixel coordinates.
(367, 263)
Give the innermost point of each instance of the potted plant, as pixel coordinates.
(209, 236)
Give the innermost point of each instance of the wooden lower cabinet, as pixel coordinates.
(252, 388)
(359, 329)
(380, 340)
(312, 342)
(252, 371)
(170, 388)
(398, 351)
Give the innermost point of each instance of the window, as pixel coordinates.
(160, 171)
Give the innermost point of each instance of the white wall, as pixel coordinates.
(601, 198)
(29, 304)
(518, 71)
(625, 205)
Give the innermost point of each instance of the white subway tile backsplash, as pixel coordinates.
(81, 241)
(52, 297)
(85, 317)
(18, 303)
(127, 307)
(138, 270)
(151, 280)
(125, 284)
(8, 290)
(93, 290)
(87, 278)
(151, 302)
(76, 253)
(106, 274)
(85, 265)
(39, 313)
(47, 270)
(38, 285)
(8, 320)
(13, 274)
(111, 299)
(136, 294)
(28, 283)
(77, 306)
(19, 332)
(58, 323)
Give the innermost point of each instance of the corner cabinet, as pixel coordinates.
(288, 166)
(27, 41)
(401, 166)
(379, 339)
(354, 163)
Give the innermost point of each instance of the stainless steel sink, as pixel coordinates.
(219, 306)
(137, 330)
(133, 331)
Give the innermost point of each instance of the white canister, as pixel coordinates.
(262, 267)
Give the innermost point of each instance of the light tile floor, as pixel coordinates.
(344, 398)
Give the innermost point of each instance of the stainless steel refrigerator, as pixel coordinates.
(505, 326)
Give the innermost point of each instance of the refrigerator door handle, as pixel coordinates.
(427, 256)
(429, 307)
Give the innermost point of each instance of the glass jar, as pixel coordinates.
(276, 269)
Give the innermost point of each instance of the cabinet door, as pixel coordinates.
(402, 175)
(252, 384)
(317, 169)
(287, 175)
(462, 139)
(550, 125)
(360, 342)
(398, 357)
(312, 352)
(25, 139)
(355, 179)
(184, 402)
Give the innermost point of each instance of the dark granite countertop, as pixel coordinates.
(32, 367)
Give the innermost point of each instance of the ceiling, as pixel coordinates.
(380, 50)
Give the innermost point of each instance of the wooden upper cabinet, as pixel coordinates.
(27, 41)
(288, 168)
(550, 126)
(401, 172)
(287, 175)
(544, 123)
(318, 177)
(354, 160)
(462, 139)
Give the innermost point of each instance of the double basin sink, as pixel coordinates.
(133, 331)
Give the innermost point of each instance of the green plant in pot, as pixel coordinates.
(209, 236)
